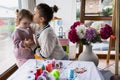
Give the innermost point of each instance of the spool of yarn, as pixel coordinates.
(57, 66)
(38, 73)
(71, 74)
(56, 74)
(61, 64)
(43, 67)
(36, 76)
(41, 78)
(44, 73)
(53, 63)
(40, 70)
(49, 67)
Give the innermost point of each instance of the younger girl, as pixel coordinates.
(23, 37)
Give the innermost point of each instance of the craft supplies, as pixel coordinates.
(49, 67)
(80, 70)
(41, 78)
(59, 65)
(53, 63)
(56, 74)
(43, 67)
(71, 74)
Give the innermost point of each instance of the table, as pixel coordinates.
(27, 70)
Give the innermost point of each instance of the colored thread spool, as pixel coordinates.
(39, 71)
(53, 63)
(43, 67)
(36, 76)
(41, 78)
(56, 74)
(49, 67)
(61, 64)
(44, 73)
(71, 74)
(57, 66)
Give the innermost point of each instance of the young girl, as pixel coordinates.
(23, 37)
(46, 37)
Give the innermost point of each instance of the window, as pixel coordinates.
(98, 7)
(78, 3)
(7, 26)
(96, 10)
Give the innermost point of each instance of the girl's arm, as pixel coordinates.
(47, 45)
(17, 40)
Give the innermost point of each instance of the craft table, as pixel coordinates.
(27, 70)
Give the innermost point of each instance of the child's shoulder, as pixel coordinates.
(17, 30)
(15, 33)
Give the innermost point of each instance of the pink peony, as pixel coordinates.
(72, 35)
(106, 32)
(75, 25)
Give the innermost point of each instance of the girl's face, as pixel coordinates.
(25, 23)
(37, 18)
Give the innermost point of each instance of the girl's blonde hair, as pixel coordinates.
(23, 13)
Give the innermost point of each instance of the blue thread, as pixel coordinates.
(71, 74)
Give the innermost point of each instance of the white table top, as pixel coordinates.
(27, 70)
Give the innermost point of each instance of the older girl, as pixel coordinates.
(46, 37)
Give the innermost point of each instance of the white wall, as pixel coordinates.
(67, 11)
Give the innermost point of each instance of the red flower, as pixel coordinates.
(72, 35)
(106, 32)
(75, 25)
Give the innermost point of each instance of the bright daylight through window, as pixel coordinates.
(7, 25)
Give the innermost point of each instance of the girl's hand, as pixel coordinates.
(28, 42)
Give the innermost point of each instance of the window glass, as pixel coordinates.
(98, 7)
(7, 25)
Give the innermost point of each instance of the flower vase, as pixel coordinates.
(88, 55)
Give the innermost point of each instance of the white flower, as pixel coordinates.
(81, 31)
(97, 25)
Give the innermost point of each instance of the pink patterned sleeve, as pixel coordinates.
(17, 40)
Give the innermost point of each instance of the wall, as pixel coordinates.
(67, 11)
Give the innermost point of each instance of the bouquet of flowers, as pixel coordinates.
(81, 34)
